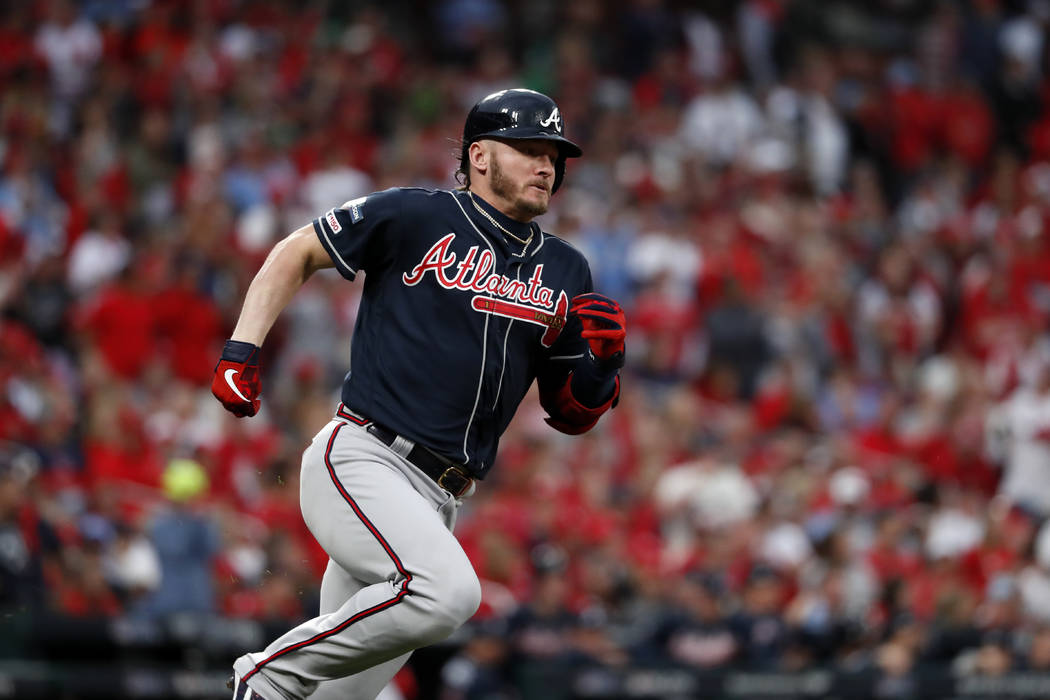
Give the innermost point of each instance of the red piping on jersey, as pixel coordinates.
(407, 577)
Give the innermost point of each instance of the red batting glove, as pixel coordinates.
(236, 382)
(604, 328)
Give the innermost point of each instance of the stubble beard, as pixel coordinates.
(502, 187)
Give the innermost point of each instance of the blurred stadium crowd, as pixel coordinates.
(829, 223)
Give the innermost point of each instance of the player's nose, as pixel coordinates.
(545, 165)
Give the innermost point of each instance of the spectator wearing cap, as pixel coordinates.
(478, 671)
(962, 629)
(896, 657)
(609, 602)
(994, 657)
(759, 625)
(593, 640)
(540, 630)
(819, 621)
(695, 631)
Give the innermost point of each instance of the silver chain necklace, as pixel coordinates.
(523, 241)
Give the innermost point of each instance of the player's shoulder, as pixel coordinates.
(387, 197)
(556, 240)
(406, 199)
(561, 247)
(426, 198)
(394, 201)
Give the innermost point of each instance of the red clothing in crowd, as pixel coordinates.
(190, 329)
(107, 462)
(121, 323)
(74, 601)
(967, 126)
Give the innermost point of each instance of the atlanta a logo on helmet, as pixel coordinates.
(554, 118)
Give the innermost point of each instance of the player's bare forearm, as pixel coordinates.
(287, 267)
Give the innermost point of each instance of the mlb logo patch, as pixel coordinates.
(354, 207)
(333, 223)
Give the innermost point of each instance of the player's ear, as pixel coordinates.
(479, 154)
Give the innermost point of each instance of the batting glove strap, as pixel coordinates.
(241, 352)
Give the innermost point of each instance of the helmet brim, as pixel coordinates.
(566, 148)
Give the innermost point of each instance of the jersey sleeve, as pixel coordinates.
(361, 232)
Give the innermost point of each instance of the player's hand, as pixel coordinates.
(236, 382)
(604, 328)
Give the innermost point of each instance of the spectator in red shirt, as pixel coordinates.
(121, 324)
(188, 323)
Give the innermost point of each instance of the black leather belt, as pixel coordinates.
(446, 474)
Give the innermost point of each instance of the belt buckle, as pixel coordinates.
(455, 481)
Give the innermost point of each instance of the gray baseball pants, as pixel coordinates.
(397, 578)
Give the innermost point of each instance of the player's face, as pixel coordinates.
(521, 173)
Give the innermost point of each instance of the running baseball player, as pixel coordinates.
(465, 303)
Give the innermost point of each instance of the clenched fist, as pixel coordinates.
(236, 383)
(604, 327)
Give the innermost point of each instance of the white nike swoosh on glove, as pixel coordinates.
(228, 376)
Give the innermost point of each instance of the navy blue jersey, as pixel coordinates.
(457, 318)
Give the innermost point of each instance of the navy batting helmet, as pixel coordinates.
(519, 114)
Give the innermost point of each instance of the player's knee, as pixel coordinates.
(461, 600)
(454, 602)
(468, 599)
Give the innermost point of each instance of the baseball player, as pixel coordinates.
(465, 303)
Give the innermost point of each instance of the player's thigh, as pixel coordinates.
(367, 516)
